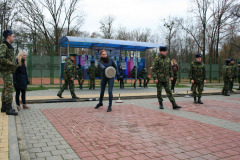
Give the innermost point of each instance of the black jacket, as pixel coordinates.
(20, 77)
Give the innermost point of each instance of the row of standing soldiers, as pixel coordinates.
(143, 74)
(230, 72)
(92, 71)
(70, 73)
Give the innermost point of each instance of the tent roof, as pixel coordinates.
(84, 42)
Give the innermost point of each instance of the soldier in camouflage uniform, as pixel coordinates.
(69, 76)
(8, 66)
(133, 73)
(227, 77)
(92, 71)
(143, 73)
(233, 72)
(162, 71)
(79, 74)
(238, 75)
(197, 75)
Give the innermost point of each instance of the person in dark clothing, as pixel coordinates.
(175, 70)
(121, 77)
(20, 80)
(105, 62)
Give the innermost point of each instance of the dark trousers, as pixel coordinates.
(104, 82)
(23, 91)
(121, 83)
(173, 83)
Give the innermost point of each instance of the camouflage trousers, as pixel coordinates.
(71, 87)
(7, 92)
(167, 89)
(140, 81)
(80, 81)
(197, 87)
(226, 85)
(92, 83)
(146, 79)
(231, 84)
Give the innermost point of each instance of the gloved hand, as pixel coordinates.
(118, 77)
(28, 82)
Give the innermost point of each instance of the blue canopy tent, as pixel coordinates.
(84, 42)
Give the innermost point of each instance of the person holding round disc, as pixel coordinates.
(108, 70)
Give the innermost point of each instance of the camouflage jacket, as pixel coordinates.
(92, 71)
(233, 70)
(79, 73)
(7, 59)
(99, 72)
(161, 69)
(69, 69)
(238, 71)
(143, 73)
(197, 72)
(133, 73)
(226, 72)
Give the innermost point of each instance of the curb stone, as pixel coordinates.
(24, 155)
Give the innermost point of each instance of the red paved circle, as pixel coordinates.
(133, 132)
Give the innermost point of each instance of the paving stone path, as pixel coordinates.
(135, 129)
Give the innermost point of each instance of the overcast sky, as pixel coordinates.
(132, 14)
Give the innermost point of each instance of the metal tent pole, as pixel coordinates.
(60, 66)
(68, 56)
(136, 68)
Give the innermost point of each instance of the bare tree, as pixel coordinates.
(169, 31)
(8, 14)
(122, 33)
(63, 15)
(107, 26)
(222, 16)
(200, 11)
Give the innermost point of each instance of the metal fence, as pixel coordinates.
(44, 64)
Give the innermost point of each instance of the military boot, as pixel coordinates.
(226, 94)
(161, 105)
(80, 86)
(199, 100)
(134, 85)
(10, 111)
(195, 100)
(222, 92)
(4, 107)
(175, 106)
(60, 96)
(98, 105)
(93, 87)
(109, 109)
(146, 84)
